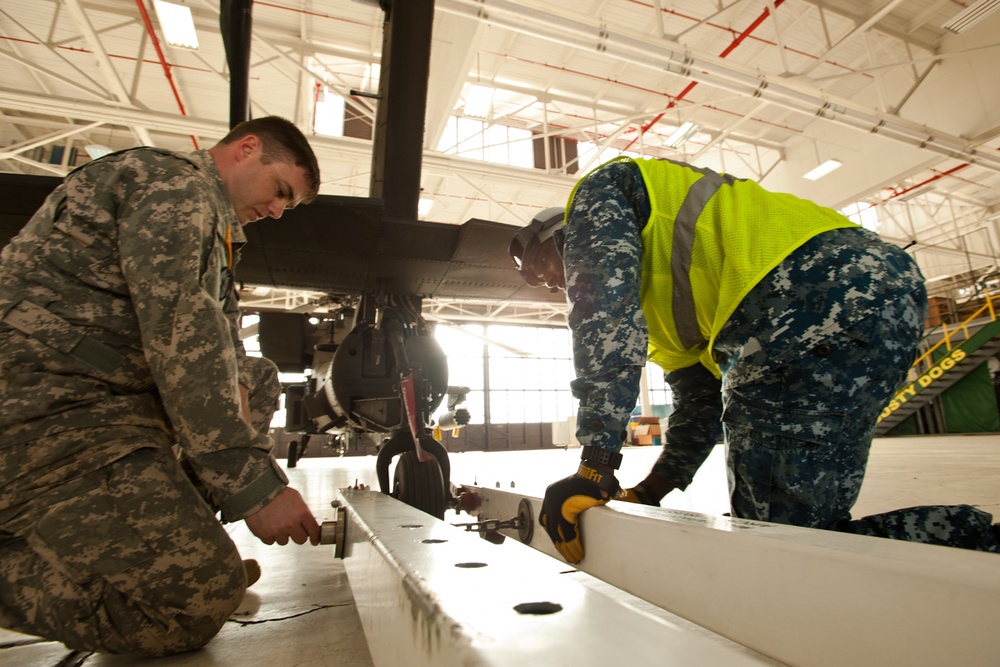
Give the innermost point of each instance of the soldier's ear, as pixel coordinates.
(246, 146)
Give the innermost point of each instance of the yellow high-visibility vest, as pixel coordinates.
(709, 239)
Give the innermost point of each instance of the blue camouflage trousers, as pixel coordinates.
(798, 435)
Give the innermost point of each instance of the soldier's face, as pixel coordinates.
(260, 188)
(549, 266)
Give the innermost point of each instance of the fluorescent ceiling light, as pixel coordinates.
(424, 205)
(682, 134)
(177, 24)
(971, 15)
(96, 150)
(822, 170)
(478, 101)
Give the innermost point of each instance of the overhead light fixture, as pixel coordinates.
(96, 150)
(822, 170)
(971, 15)
(424, 206)
(682, 134)
(177, 24)
(478, 101)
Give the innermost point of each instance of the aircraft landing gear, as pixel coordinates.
(419, 484)
(425, 485)
(296, 449)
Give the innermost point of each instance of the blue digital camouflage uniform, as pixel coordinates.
(809, 359)
(119, 342)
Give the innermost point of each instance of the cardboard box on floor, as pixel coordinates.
(647, 432)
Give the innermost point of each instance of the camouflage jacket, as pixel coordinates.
(118, 317)
(835, 279)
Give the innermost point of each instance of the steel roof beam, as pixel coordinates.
(721, 74)
(104, 65)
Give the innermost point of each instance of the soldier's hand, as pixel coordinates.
(637, 494)
(592, 485)
(286, 517)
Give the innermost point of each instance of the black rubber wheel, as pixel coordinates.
(419, 484)
(293, 453)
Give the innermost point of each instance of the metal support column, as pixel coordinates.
(398, 145)
(236, 25)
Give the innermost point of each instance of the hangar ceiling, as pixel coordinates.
(772, 88)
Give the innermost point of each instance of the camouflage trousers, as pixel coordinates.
(798, 436)
(127, 558)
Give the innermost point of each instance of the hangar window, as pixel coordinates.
(341, 96)
(529, 376)
(517, 374)
(659, 390)
(329, 118)
(592, 155)
(864, 214)
(479, 140)
(522, 374)
(464, 347)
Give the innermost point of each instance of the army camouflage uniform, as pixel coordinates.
(118, 343)
(809, 359)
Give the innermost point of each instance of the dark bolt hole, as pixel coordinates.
(470, 565)
(537, 608)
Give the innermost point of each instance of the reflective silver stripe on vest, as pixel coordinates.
(685, 315)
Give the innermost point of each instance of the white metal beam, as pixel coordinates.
(104, 64)
(798, 595)
(431, 594)
(17, 149)
(859, 30)
(49, 73)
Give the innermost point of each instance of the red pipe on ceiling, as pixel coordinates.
(163, 61)
(725, 52)
(939, 175)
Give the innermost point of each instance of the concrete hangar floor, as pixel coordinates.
(303, 612)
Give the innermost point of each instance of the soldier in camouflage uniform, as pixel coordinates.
(794, 375)
(119, 342)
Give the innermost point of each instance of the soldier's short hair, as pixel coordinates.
(281, 141)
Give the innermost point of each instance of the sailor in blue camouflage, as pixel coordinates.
(119, 345)
(809, 359)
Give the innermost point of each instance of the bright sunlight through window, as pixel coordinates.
(478, 140)
(864, 214)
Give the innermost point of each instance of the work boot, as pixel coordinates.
(252, 568)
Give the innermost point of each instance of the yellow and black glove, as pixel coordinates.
(592, 485)
(637, 494)
(649, 491)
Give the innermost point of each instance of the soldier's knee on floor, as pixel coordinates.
(189, 610)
